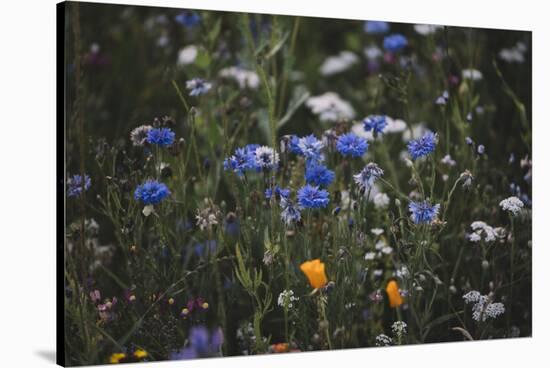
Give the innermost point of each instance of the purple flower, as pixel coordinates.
(202, 344)
(74, 185)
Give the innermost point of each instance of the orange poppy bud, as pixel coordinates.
(315, 273)
(280, 348)
(393, 294)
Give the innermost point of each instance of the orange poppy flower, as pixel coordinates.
(315, 273)
(393, 294)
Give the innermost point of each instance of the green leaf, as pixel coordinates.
(299, 96)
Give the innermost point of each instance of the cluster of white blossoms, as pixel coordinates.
(286, 298)
(245, 78)
(482, 231)
(399, 329)
(330, 107)
(512, 205)
(383, 340)
(514, 54)
(483, 307)
(339, 63)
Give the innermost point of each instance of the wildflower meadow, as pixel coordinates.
(244, 184)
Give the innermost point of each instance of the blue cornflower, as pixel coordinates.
(188, 18)
(243, 160)
(198, 86)
(202, 344)
(266, 158)
(151, 192)
(376, 27)
(376, 123)
(423, 212)
(293, 145)
(366, 178)
(318, 174)
(422, 146)
(290, 213)
(395, 42)
(311, 148)
(280, 192)
(74, 185)
(352, 145)
(312, 197)
(161, 136)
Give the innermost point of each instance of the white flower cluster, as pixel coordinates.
(383, 340)
(514, 54)
(339, 63)
(399, 329)
(483, 307)
(286, 298)
(483, 231)
(245, 78)
(512, 205)
(330, 107)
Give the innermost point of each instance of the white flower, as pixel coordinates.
(512, 205)
(483, 308)
(378, 273)
(339, 63)
(381, 200)
(399, 328)
(485, 232)
(147, 210)
(387, 250)
(494, 310)
(138, 136)
(394, 125)
(359, 130)
(402, 272)
(286, 298)
(370, 256)
(372, 52)
(379, 245)
(514, 54)
(330, 107)
(474, 237)
(426, 29)
(187, 55)
(448, 160)
(472, 74)
(266, 158)
(245, 78)
(377, 231)
(472, 296)
(383, 340)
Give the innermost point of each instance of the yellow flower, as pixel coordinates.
(393, 294)
(315, 272)
(116, 358)
(140, 354)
